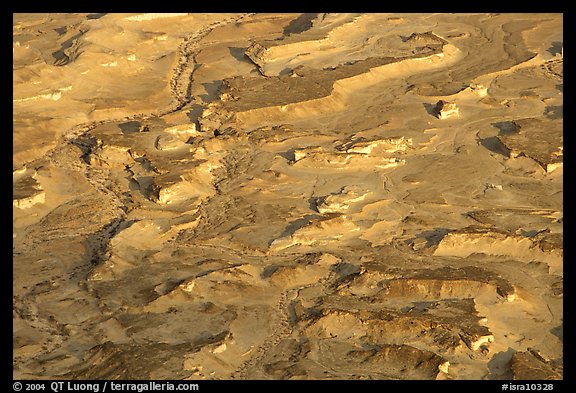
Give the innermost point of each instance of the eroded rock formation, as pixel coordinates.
(276, 196)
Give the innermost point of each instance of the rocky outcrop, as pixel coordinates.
(445, 110)
(27, 192)
(541, 140)
(531, 366)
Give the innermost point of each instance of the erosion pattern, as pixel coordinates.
(288, 196)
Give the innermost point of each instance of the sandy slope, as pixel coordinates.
(275, 196)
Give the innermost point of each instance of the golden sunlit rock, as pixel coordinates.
(288, 196)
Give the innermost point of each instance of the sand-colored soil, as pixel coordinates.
(288, 196)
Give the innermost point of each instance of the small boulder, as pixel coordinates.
(444, 110)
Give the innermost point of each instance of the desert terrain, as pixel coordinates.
(288, 196)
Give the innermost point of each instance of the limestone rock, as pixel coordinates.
(445, 110)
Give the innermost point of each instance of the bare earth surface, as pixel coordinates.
(288, 196)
